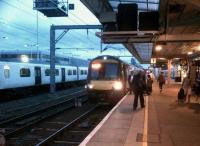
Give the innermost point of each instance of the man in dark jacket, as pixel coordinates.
(139, 86)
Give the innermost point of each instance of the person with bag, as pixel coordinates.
(149, 84)
(139, 86)
(161, 81)
(181, 95)
(186, 85)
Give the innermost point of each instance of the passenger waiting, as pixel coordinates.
(186, 85)
(139, 86)
(161, 81)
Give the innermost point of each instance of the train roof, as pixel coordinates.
(107, 57)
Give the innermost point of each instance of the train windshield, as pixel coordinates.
(107, 71)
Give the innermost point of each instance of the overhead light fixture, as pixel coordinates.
(189, 53)
(24, 58)
(198, 47)
(158, 48)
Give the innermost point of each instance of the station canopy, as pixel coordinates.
(179, 27)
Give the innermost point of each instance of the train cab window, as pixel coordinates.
(25, 72)
(82, 72)
(47, 72)
(69, 72)
(74, 72)
(108, 71)
(111, 71)
(85, 72)
(6, 73)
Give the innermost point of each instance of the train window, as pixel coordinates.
(74, 72)
(69, 72)
(57, 72)
(47, 72)
(6, 73)
(82, 72)
(111, 71)
(108, 71)
(25, 72)
(85, 72)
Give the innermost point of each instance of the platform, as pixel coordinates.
(163, 122)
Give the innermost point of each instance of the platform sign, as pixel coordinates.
(153, 60)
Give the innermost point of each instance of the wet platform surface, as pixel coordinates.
(163, 122)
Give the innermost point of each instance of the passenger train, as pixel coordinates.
(14, 75)
(107, 79)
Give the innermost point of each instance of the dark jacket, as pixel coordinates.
(138, 83)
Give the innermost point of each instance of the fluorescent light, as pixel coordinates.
(189, 53)
(158, 48)
(24, 58)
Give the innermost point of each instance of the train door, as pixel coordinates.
(63, 74)
(37, 75)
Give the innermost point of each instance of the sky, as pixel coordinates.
(22, 28)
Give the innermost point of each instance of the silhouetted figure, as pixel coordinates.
(149, 84)
(186, 85)
(139, 87)
(161, 81)
(130, 78)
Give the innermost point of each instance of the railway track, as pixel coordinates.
(22, 122)
(13, 113)
(75, 123)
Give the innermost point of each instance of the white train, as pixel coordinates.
(16, 74)
(108, 79)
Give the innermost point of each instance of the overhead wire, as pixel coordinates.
(19, 27)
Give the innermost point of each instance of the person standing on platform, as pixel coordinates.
(161, 81)
(130, 78)
(186, 85)
(149, 84)
(139, 85)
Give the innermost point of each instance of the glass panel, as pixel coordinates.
(108, 71)
(74, 72)
(6, 73)
(69, 72)
(25, 72)
(47, 72)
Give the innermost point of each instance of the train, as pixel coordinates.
(107, 79)
(19, 75)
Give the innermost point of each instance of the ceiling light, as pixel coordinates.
(199, 48)
(189, 53)
(24, 58)
(158, 48)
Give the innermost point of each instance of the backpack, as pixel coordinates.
(181, 94)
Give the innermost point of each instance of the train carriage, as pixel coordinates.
(19, 75)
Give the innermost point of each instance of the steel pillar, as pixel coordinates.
(169, 72)
(52, 60)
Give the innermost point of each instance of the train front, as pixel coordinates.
(106, 80)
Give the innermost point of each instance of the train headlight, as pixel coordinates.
(117, 85)
(90, 86)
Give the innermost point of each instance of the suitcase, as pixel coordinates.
(181, 95)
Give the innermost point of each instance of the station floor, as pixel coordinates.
(163, 122)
